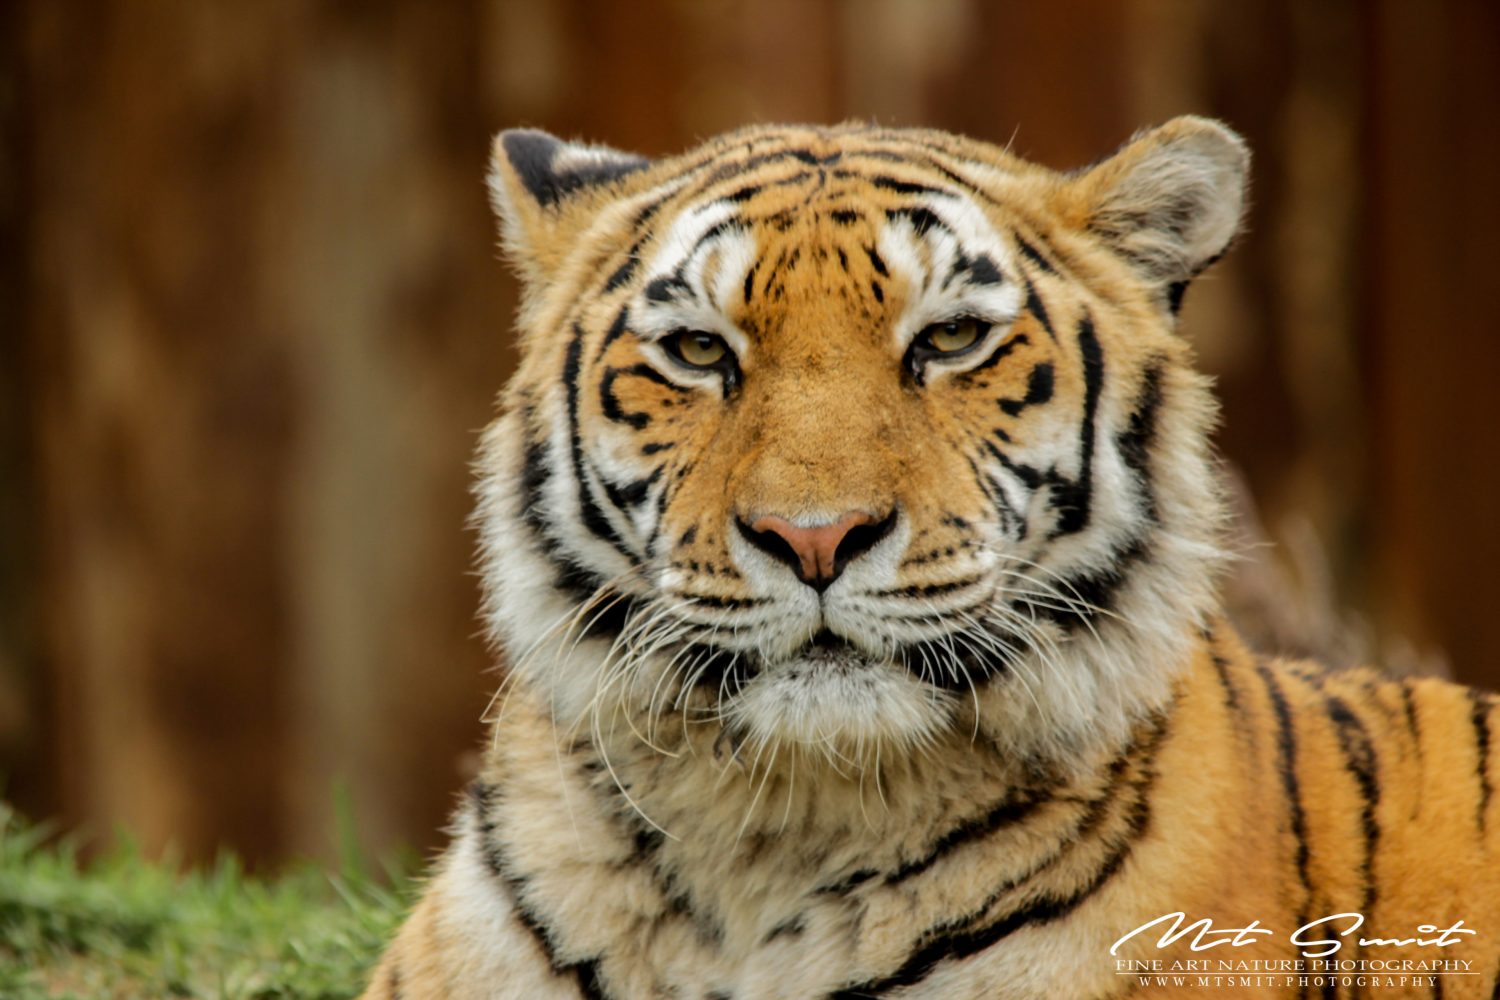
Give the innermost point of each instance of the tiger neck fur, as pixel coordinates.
(737, 847)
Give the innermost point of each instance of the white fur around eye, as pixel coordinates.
(925, 258)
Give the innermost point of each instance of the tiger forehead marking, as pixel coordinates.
(816, 317)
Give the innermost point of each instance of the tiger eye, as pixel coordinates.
(700, 350)
(953, 336)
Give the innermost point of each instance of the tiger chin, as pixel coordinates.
(850, 535)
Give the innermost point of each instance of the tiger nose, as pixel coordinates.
(818, 554)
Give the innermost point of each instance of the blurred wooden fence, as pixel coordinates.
(251, 321)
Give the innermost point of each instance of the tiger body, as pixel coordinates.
(851, 532)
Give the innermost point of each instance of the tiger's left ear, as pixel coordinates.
(546, 191)
(1169, 201)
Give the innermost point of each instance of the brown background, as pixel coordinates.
(252, 320)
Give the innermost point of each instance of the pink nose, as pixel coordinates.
(819, 553)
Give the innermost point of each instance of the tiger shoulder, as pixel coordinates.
(851, 532)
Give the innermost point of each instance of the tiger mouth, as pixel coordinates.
(831, 649)
(939, 662)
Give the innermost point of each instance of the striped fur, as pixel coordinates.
(1013, 727)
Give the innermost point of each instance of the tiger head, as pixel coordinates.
(849, 436)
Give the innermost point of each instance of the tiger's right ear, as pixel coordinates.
(545, 191)
(1169, 201)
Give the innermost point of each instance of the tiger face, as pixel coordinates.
(849, 436)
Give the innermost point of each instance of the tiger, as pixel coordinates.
(851, 533)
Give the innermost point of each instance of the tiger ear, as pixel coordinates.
(544, 191)
(1170, 200)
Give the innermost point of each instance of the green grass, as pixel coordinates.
(120, 927)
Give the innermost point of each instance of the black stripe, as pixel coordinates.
(843, 885)
(922, 219)
(1409, 706)
(588, 508)
(1080, 598)
(632, 494)
(791, 927)
(623, 273)
(584, 973)
(794, 179)
(968, 186)
(743, 194)
(995, 493)
(1012, 810)
(966, 662)
(1175, 292)
(1414, 733)
(876, 262)
(1029, 477)
(1361, 763)
(588, 980)
(992, 488)
(626, 271)
(668, 289)
(1039, 386)
(579, 583)
(1011, 519)
(774, 273)
(724, 603)
(617, 328)
(610, 403)
(967, 936)
(1036, 308)
(535, 471)
(1479, 714)
(1286, 763)
(1034, 255)
(996, 356)
(716, 669)
(922, 619)
(980, 270)
(650, 374)
(646, 843)
(1232, 704)
(931, 589)
(725, 171)
(714, 232)
(902, 187)
(1073, 500)
(1135, 441)
(1060, 261)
